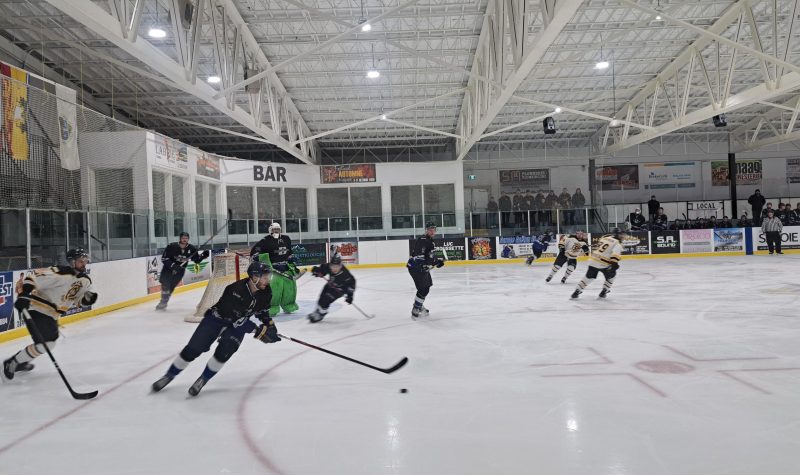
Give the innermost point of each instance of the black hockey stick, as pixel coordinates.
(391, 370)
(32, 327)
(363, 312)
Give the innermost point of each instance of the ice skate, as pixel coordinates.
(197, 386)
(162, 382)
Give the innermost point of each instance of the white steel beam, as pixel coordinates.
(482, 101)
(101, 23)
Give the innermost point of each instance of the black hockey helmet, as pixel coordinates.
(184, 233)
(76, 253)
(257, 269)
(430, 224)
(336, 259)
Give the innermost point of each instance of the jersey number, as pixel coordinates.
(603, 247)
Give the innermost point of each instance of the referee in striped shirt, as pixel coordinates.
(772, 227)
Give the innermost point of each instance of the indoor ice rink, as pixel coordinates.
(159, 157)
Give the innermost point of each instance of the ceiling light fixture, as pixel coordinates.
(383, 116)
(602, 65)
(156, 32)
(373, 73)
(213, 79)
(558, 110)
(366, 27)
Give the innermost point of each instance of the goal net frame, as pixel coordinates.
(226, 268)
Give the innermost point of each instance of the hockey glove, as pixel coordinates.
(614, 266)
(22, 304)
(585, 249)
(205, 254)
(268, 332)
(439, 263)
(89, 298)
(349, 299)
(316, 271)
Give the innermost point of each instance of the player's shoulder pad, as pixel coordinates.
(84, 275)
(63, 270)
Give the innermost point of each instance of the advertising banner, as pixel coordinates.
(697, 240)
(617, 177)
(481, 248)
(633, 242)
(454, 248)
(207, 165)
(665, 175)
(729, 240)
(170, 153)
(153, 272)
(348, 250)
(533, 179)
(793, 170)
(790, 238)
(665, 242)
(705, 209)
(6, 301)
(361, 173)
(748, 172)
(309, 254)
(197, 272)
(512, 247)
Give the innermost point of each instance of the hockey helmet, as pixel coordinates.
(430, 224)
(76, 253)
(258, 269)
(336, 259)
(275, 228)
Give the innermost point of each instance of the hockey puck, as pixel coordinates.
(404, 390)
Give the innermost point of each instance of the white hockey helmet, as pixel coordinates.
(275, 228)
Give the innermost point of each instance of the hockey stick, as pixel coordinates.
(391, 370)
(32, 327)
(363, 312)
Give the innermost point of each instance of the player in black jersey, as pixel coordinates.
(228, 321)
(341, 282)
(175, 258)
(419, 266)
(277, 245)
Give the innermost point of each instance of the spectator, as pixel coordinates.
(652, 208)
(783, 214)
(659, 221)
(725, 222)
(772, 227)
(712, 222)
(505, 208)
(528, 200)
(757, 204)
(579, 202)
(550, 203)
(636, 220)
(538, 204)
(565, 202)
(796, 214)
(519, 205)
(492, 209)
(744, 221)
(766, 210)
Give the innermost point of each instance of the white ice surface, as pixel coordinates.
(507, 376)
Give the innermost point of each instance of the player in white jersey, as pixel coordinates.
(570, 248)
(47, 294)
(605, 259)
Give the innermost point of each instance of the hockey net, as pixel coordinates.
(225, 269)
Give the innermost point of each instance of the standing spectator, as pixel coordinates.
(796, 214)
(783, 214)
(659, 221)
(565, 202)
(652, 208)
(538, 204)
(757, 204)
(766, 210)
(579, 202)
(505, 208)
(772, 227)
(519, 204)
(550, 204)
(636, 220)
(492, 209)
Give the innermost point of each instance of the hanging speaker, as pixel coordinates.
(549, 125)
(186, 13)
(720, 120)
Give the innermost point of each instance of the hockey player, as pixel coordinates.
(175, 258)
(419, 266)
(570, 248)
(276, 250)
(341, 282)
(47, 294)
(538, 246)
(605, 258)
(228, 321)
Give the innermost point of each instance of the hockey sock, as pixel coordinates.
(212, 368)
(608, 283)
(177, 366)
(322, 311)
(32, 351)
(570, 270)
(418, 302)
(165, 295)
(554, 271)
(584, 283)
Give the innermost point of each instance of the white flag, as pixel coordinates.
(68, 128)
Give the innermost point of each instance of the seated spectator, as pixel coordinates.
(797, 213)
(725, 222)
(766, 210)
(699, 223)
(794, 215)
(712, 222)
(744, 221)
(660, 220)
(783, 214)
(636, 220)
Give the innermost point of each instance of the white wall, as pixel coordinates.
(382, 252)
(117, 281)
